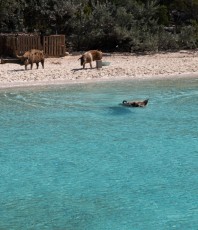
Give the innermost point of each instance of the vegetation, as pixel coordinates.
(114, 25)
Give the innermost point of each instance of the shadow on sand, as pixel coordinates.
(17, 70)
(77, 69)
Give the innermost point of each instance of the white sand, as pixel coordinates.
(123, 66)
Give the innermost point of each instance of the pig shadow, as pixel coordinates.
(119, 110)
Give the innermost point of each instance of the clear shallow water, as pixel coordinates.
(71, 158)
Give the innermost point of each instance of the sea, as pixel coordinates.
(73, 158)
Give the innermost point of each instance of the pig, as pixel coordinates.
(89, 56)
(32, 56)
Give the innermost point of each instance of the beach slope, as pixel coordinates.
(122, 66)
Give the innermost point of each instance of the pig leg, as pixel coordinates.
(42, 63)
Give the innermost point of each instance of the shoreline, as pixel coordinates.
(21, 85)
(123, 67)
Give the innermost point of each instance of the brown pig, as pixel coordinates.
(89, 56)
(32, 56)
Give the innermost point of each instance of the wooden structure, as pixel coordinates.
(7, 45)
(98, 64)
(12, 44)
(25, 43)
(54, 45)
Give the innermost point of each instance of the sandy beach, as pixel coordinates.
(67, 69)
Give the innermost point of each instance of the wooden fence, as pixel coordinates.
(8, 45)
(25, 43)
(53, 46)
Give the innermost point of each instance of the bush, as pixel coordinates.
(188, 38)
(167, 40)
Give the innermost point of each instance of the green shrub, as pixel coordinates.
(188, 37)
(167, 40)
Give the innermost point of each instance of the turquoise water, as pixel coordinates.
(72, 158)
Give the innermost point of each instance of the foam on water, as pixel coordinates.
(72, 158)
